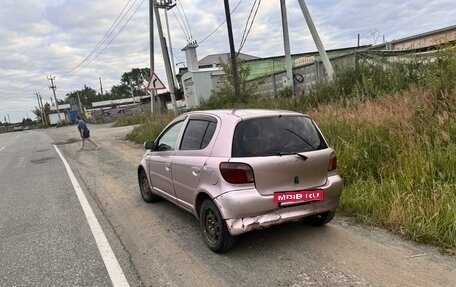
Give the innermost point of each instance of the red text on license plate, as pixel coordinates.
(298, 196)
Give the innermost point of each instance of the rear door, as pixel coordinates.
(189, 161)
(286, 153)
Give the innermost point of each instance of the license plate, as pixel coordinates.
(298, 196)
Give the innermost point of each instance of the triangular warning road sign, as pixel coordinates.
(155, 83)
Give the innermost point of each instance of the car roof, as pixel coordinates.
(230, 118)
(242, 114)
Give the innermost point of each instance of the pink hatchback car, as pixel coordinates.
(239, 170)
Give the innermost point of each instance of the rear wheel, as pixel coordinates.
(144, 187)
(321, 218)
(215, 231)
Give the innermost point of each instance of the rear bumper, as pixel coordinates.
(246, 210)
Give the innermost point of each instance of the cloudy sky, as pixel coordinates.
(70, 39)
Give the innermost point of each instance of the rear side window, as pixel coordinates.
(198, 134)
(276, 135)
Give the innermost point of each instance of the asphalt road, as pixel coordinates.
(165, 246)
(45, 238)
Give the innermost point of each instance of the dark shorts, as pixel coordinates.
(86, 134)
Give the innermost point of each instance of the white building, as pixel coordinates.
(198, 84)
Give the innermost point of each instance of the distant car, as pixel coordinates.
(239, 170)
(18, 128)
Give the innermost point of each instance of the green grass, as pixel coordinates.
(132, 120)
(150, 126)
(394, 130)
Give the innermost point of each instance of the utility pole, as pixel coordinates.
(132, 91)
(9, 120)
(173, 66)
(317, 40)
(44, 110)
(151, 45)
(40, 106)
(233, 52)
(169, 72)
(79, 102)
(101, 88)
(286, 44)
(53, 87)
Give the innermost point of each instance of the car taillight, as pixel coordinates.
(236, 173)
(332, 162)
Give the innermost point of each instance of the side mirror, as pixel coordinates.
(149, 145)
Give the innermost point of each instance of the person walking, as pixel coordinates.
(85, 133)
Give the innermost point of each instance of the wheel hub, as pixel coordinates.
(145, 187)
(212, 226)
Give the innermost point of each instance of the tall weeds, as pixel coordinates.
(397, 157)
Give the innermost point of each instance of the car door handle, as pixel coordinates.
(167, 167)
(195, 170)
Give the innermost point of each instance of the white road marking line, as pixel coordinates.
(109, 258)
(2, 148)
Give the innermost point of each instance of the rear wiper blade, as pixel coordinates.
(303, 139)
(301, 156)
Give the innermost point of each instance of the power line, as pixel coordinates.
(175, 56)
(185, 15)
(247, 22)
(183, 21)
(221, 24)
(108, 33)
(115, 36)
(183, 30)
(251, 24)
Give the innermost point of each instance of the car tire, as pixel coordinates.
(215, 231)
(144, 187)
(321, 218)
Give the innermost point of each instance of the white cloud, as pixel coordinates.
(39, 38)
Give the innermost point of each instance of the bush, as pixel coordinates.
(61, 123)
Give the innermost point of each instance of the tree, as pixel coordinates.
(27, 122)
(226, 96)
(134, 81)
(120, 92)
(86, 95)
(38, 114)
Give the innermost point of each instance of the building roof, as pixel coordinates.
(118, 101)
(61, 107)
(417, 36)
(217, 58)
(429, 33)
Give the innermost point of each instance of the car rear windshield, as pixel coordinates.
(278, 135)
